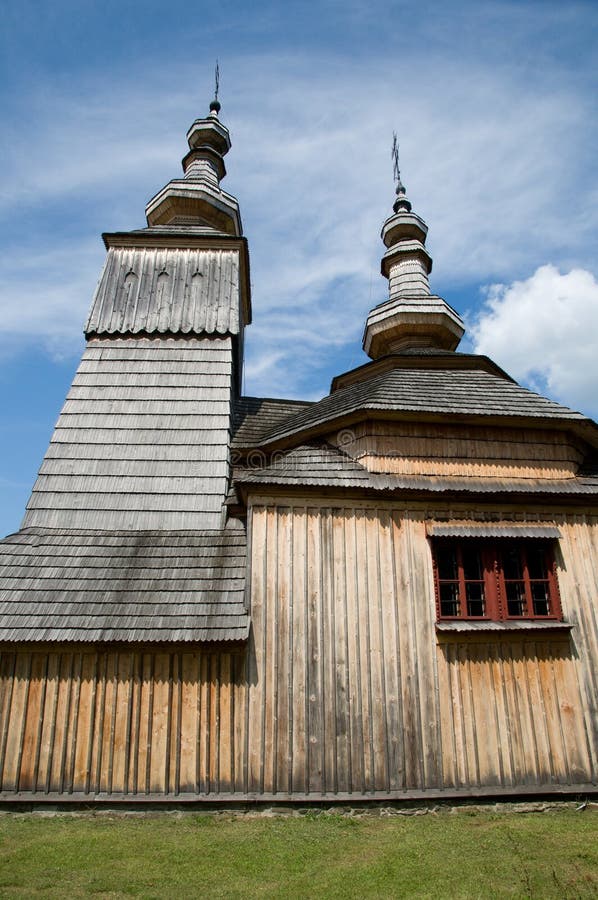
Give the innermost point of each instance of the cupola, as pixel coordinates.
(197, 198)
(412, 317)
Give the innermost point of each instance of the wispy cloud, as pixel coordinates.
(45, 296)
(496, 163)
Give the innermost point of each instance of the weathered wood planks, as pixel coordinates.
(462, 450)
(115, 721)
(345, 689)
(379, 701)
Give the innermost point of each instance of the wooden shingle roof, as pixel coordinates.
(307, 465)
(430, 392)
(66, 585)
(328, 467)
(142, 439)
(256, 416)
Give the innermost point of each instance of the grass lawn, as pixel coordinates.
(441, 855)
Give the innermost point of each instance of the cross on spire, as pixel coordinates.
(401, 202)
(395, 158)
(215, 104)
(395, 164)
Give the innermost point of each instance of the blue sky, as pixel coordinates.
(495, 107)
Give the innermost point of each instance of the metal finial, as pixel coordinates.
(215, 105)
(401, 202)
(395, 163)
(395, 157)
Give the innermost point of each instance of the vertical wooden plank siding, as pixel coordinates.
(344, 634)
(118, 722)
(541, 702)
(344, 688)
(367, 719)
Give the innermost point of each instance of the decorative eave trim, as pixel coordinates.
(147, 237)
(492, 530)
(233, 645)
(247, 490)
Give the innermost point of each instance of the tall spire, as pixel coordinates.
(197, 199)
(412, 317)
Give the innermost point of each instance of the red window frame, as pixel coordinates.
(495, 579)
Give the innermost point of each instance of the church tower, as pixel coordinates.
(142, 441)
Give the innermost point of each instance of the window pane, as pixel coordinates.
(515, 598)
(541, 598)
(511, 560)
(496, 579)
(446, 561)
(475, 599)
(472, 565)
(449, 600)
(536, 562)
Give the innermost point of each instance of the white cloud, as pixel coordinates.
(544, 331)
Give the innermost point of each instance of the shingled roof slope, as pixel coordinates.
(63, 585)
(256, 416)
(436, 391)
(326, 466)
(142, 439)
(310, 465)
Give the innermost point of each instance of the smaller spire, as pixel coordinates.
(412, 318)
(401, 202)
(215, 104)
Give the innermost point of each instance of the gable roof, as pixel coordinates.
(65, 585)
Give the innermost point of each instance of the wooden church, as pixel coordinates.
(387, 594)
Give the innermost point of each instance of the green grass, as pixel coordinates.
(440, 855)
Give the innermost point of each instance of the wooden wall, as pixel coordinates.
(352, 691)
(118, 721)
(345, 688)
(435, 449)
(510, 714)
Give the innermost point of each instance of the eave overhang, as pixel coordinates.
(409, 249)
(403, 226)
(587, 430)
(434, 359)
(441, 489)
(190, 198)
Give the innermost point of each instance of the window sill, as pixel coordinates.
(475, 627)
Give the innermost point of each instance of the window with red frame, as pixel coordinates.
(498, 579)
